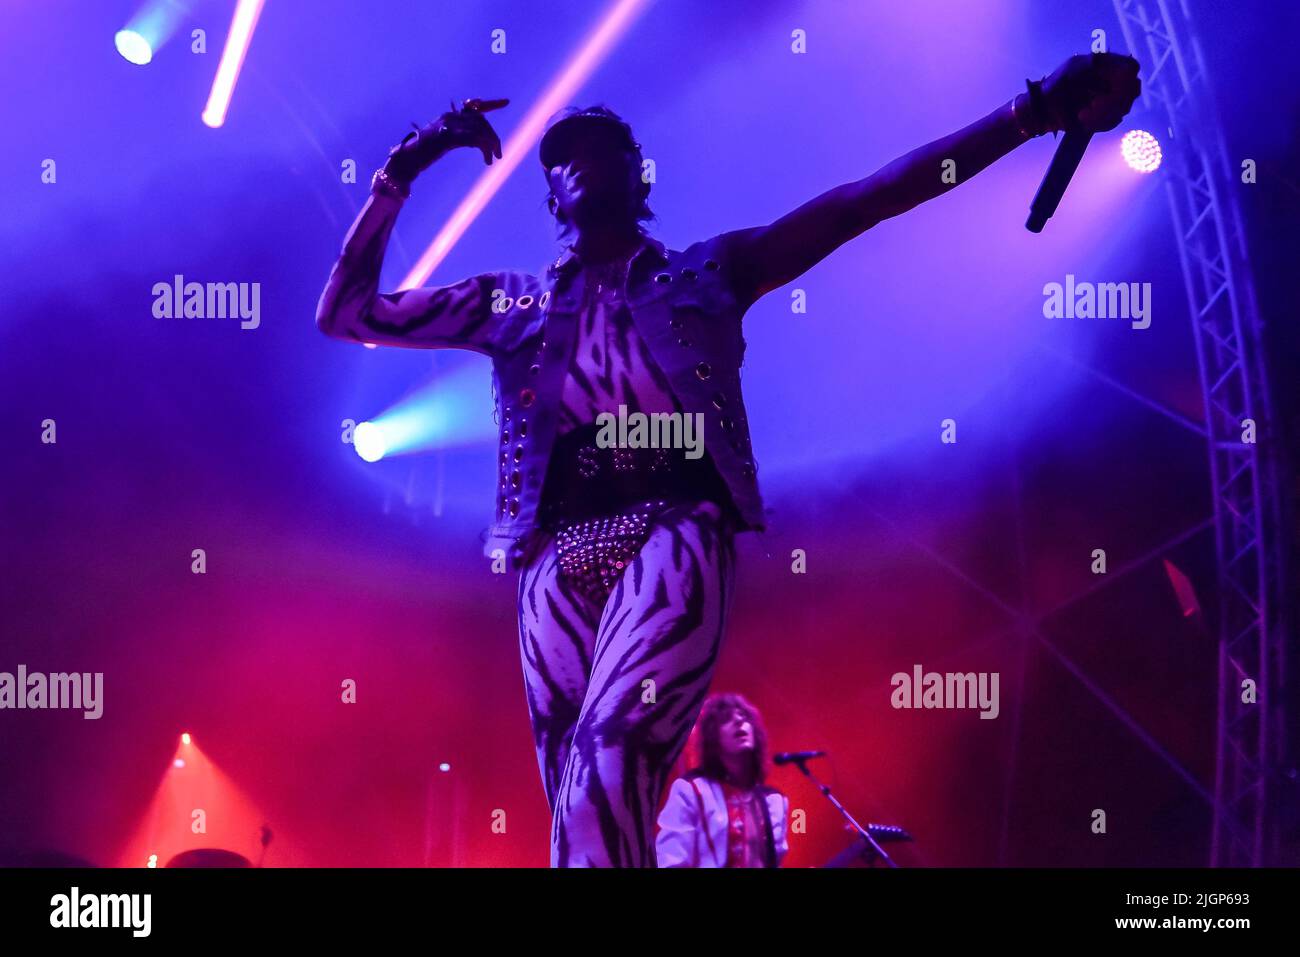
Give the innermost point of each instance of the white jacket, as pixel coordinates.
(684, 842)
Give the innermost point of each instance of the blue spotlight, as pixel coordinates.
(452, 411)
(369, 440)
(133, 47)
(152, 26)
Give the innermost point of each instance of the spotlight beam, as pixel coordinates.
(232, 60)
(579, 69)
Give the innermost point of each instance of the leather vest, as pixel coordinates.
(683, 308)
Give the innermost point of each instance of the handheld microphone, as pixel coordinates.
(795, 757)
(1064, 162)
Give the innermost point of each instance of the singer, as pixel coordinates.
(626, 555)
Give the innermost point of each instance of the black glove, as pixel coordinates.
(1089, 91)
(429, 143)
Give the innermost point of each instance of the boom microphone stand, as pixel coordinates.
(802, 764)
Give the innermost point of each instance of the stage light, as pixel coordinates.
(1141, 151)
(232, 60)
(369, 441)
(153, 861)
(149, 29)
(444, 766)
(185, 738)
(133, 47)
(178, 763)
(520, 144)
(452, 412)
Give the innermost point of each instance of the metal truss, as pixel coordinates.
(1201, 185)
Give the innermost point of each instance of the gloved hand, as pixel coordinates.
(1090, 91)
(466, 126)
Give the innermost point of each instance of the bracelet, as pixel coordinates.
(381, 182)
(1017, 115)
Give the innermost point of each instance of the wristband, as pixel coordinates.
(1019, 114)
(1038, 107)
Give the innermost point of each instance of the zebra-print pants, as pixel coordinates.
(613, 691)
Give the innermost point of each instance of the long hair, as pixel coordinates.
(716, 712)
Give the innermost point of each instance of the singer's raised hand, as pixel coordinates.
(1091, 91)
(463, 127)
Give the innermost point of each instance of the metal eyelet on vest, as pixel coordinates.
(534, 369)
(719, 401)
(526, 397)
(663, 278)
(523, 429)
(703, 371)
(728, 424)
(523, 302)
(514, 507)
(516, 480)
(684, 342)
(519, 454)
(675, 323)
(689, 274)
(711, 265)
(747, 470)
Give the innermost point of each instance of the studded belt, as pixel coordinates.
(585, 481)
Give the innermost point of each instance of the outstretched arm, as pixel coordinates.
(1094, 92)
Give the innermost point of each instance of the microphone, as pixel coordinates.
(1065, 161)
(795, 757)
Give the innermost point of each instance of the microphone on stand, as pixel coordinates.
(795, 757)
(1064, 162)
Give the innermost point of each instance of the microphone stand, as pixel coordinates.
(802, 765)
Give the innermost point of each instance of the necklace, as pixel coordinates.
(611, 275)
